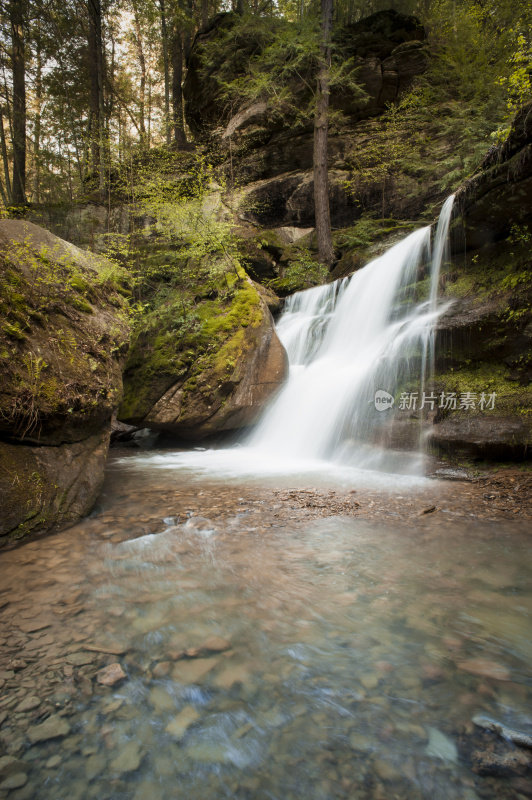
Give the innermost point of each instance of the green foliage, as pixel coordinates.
(302, 271)
(278, 65)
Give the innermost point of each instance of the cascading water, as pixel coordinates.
(347, 340)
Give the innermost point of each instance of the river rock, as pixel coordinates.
(62, 338)
(14, 781)
(193, 671)
(128, 759)
(485, 668)
(231, 675)
(110, 675)
(440, 746)
(182, 722)
(161, 700)
(10, 765)
(29, 703)
(54, 727)
(80, 658)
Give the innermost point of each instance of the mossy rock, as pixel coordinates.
(63, 338)
(203, 361)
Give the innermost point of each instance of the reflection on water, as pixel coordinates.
(336, 658)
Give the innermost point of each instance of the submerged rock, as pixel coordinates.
(54, 727)
(63, 335)
(110, 675)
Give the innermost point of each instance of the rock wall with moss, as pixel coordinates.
(204, 355)
(63, 338)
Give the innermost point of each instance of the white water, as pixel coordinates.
(344, 340)
(347, 340)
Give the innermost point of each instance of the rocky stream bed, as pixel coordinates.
(214, 637)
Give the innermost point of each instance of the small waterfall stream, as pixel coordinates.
(349, 340)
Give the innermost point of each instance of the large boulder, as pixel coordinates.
(63, 337)
(207, 370)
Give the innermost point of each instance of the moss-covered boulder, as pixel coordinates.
(204, 358)
(63, 337)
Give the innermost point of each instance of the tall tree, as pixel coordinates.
(180, 138)
(321, 128)
(142, 65)
(97, 106)
(166, 70)
(17, 16)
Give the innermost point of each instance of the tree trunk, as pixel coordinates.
(321, 124)
(37, 137)
(5, 159)
(16, 10)
(142, 64)
(166, 68)
(180, 139)
(97, 110)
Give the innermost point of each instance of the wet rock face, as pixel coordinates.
(497, 438)
(499, 196)
(63, 337)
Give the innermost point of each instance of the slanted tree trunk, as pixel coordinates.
(180, 138)
(321, 125)
(16, 13)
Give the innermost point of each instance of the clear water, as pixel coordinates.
(350, 642)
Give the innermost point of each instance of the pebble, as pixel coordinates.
(10, 765)
(94, 766)
(29, 703)
(32, 625)
(182, 722)
(110, 675)
(14, 781)
(440, 746)
(161, 669)
(232, 675)
(52, 728)
(161, 700)
(128, 759)
(386, 771)
(53, 762)
(485, 668)
(193, 671)
(369, 681)
(80, 659)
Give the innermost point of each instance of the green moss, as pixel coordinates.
(13, 331)
(511, 396)
(188, 338)
(81, 305)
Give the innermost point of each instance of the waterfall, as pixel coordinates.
(352, 346)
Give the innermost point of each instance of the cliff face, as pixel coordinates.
(268, 155)
(63, 338)
(485, 340)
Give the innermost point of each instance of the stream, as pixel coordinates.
(276, 638)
